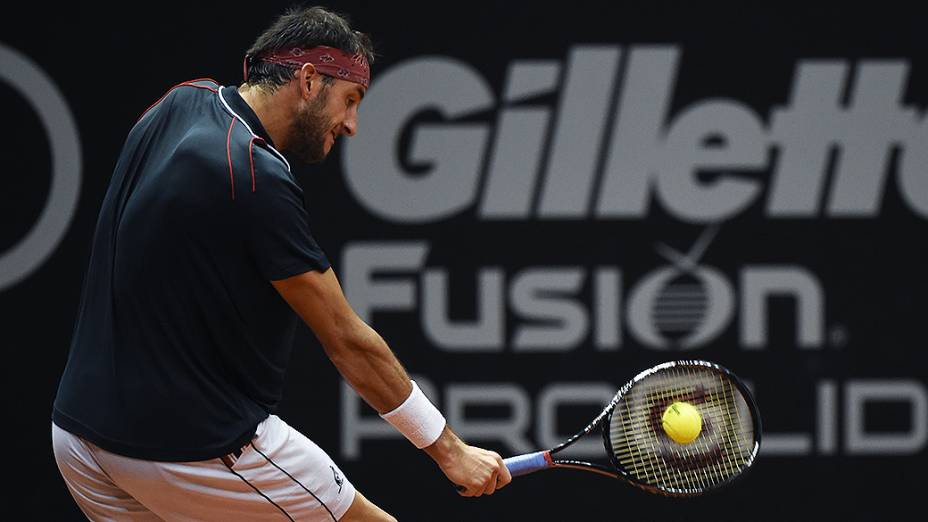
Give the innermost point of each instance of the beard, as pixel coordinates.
(310, 130)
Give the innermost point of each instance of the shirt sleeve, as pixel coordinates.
(276, 223)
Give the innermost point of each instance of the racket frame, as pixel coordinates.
(670, 491)
(617, 470)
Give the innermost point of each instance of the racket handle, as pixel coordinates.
(528, 463)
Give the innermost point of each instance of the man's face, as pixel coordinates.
(333, 112)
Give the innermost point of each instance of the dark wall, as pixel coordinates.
(540, 185)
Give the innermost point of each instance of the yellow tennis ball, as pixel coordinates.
(682, 422)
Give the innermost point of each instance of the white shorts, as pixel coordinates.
(280, 475)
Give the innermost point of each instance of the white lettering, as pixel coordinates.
(759, 283)
(545, 309)
(450, 153)
(362, 260)
(416, 162)
(509, 430)
(485, 333)
(861, 442)
(536, 294)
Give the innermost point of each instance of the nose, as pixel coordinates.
(351, 124)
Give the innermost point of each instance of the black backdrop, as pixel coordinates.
(814, 292)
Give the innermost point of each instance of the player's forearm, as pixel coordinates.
(362, 356)
(370, 367)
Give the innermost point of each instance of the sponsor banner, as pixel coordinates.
(602, 154)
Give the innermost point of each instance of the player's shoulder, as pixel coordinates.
(184, 92)
(196, 86)
(193, 91)
(268, 158)
(201, 83)
(255, 163)
(253, 151)
(268, 163)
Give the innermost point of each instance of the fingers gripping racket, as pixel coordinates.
(680, 428)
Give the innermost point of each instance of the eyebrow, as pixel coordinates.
(360, 91)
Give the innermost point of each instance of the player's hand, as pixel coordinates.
(477, 472)
(474, 471)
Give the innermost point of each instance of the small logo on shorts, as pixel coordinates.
(338, 478)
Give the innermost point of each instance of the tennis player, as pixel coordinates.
(202, 260)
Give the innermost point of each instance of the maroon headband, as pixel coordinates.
(327, 60)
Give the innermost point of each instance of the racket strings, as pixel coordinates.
(722, 450)
(674, 471)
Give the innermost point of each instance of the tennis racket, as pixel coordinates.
(640, 450)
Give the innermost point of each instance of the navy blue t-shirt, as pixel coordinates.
(181, 342)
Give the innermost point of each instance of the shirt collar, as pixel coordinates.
(245, 112)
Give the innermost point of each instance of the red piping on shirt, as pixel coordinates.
(190, 83)
(229, 156)
(251, 158)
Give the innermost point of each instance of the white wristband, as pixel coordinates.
(417, 419)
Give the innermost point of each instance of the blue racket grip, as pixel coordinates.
(525, 464)
(528, 463)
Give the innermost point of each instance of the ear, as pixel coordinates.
(308, 81)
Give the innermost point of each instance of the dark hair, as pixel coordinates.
(304, 27)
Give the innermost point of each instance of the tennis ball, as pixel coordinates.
(682, 422)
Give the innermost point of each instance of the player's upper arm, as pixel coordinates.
(317, 297)
(272, 218)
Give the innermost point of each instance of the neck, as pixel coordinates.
(271, 109)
